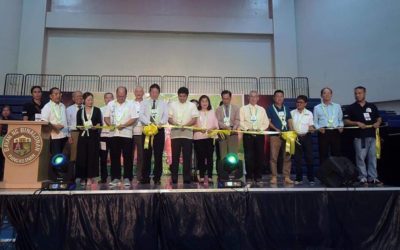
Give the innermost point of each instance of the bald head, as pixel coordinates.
(121, 94)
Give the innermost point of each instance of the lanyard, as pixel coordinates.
(118, 116)
(87, 123)
(253, 118)
(56, 110)
(229, 112)
(227, 119)
(330, 120)
(282, 118)
(154, 111)
(251, 113)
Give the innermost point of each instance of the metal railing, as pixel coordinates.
(13, 84)
(205, 84)
(109, 83)
(81, 82)
(19, 84)
(45, 81)
(240, 85)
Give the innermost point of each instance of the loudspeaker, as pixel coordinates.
(337, 172)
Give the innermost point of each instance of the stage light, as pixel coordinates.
(230, 171)
(59, 164)
(232, 159)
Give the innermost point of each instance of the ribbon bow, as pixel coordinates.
(149, 131)
(290, 137)
(377, 143)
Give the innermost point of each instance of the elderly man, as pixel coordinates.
(121, 114)
(253, 118)
(104, 140)
(73, 134)
(228, 118)
(137, 132)
(328, 120)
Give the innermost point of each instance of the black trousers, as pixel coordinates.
(304, 149)
(57, 145)
(329, 144)
(204, 149)
(157, 149)
(254, 155)
(185, 146)
(120, 145)
(87, 158)
(103, 158)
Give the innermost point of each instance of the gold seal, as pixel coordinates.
(22, 145)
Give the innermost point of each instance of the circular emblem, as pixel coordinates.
(22, 145)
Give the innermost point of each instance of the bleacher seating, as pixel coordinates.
(16, 103)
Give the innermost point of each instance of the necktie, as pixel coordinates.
(227, 111)
(153, 107)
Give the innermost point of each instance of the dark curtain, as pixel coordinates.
(208, 220)
(113, 221)
(39, 220)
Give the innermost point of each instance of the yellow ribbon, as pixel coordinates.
(112, 127)
(221, 133)
(149, 131)
(290, 138)
(378, 143)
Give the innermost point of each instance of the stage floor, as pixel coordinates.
(167, 186)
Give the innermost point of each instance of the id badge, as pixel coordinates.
(227, 121)
(38, 117)
(154, 112)
(367, 117)
(88, 123)
(253, 118)
(281, 114)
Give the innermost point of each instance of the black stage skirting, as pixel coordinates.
(214, 219)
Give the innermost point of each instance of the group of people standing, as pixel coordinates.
(117, 129)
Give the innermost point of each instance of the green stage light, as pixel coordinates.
(58, 160)
(60, 166)
(232, 158)
(230, 171)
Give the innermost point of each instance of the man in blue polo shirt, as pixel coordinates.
(328, 120)
(280, 120)
(364, 115)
